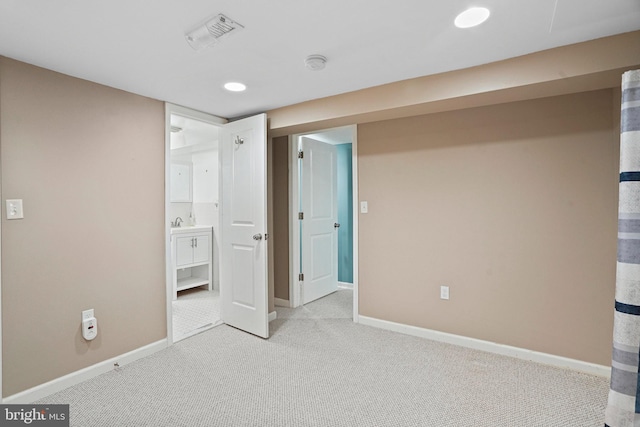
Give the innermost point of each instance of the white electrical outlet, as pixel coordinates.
(444, 292)
(14, 209)
(89, 325)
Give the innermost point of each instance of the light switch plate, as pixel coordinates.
(364, 207)
(14, 209)
(444, 292)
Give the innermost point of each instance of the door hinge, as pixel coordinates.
(300, 215)
(301, 277)
(301, 154)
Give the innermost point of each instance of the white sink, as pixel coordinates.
(190, 229)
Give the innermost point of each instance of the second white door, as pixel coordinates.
(319, 225)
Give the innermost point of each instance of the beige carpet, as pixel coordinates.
(320, 369)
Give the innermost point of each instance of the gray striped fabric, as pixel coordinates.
(623, 409)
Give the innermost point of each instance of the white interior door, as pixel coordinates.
(243, 266)
(319, 226)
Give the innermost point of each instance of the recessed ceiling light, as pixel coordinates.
(235, 87)
(472, 17)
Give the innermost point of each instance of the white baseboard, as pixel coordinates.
(345, 285)
(54, 386)
(488, 346)
(278, 302)
(272, 316)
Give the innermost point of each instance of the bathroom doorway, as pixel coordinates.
(194, 225)
(215, 229)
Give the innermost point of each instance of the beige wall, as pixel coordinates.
(513, 206)
(510, 184)
(88, 161)
(281, 216)
(592, 65)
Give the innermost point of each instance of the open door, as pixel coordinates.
(319, 223)
(243, 188)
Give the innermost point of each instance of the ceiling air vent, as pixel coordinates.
(215, 29)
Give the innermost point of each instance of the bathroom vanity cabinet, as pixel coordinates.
(191, 257)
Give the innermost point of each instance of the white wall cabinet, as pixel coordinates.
(191, 258)
(181, 182)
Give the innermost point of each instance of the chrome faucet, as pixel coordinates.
(177, 222)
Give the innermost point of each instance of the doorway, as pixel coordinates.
(236, 174)
(194, 225)
(343, 141)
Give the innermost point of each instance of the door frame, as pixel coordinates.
(295, 291)
(178, 110)
(1, 364)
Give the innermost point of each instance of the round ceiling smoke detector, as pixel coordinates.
(315, 62)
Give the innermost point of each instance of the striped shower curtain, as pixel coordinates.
(623, 409)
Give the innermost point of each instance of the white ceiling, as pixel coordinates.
(139, 46)
(192, 135)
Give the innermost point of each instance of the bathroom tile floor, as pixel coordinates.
(194, 311)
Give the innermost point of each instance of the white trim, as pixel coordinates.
(356, 219)
(294, 226)
(198, 331)
(170, 109)
(1, 364)
(345, 285)
(54, 386)
(279, 302)
(491, 347)
(194, 114)
(273, 316)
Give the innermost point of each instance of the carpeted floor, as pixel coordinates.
(320, 369)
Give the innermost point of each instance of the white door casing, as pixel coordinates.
(183, 112)
(243, 189)
(295, 238)
(320, 209)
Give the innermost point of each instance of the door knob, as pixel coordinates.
(257, 236)
(336, 225)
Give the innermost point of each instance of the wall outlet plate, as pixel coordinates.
(14, 209)
(87, 314)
